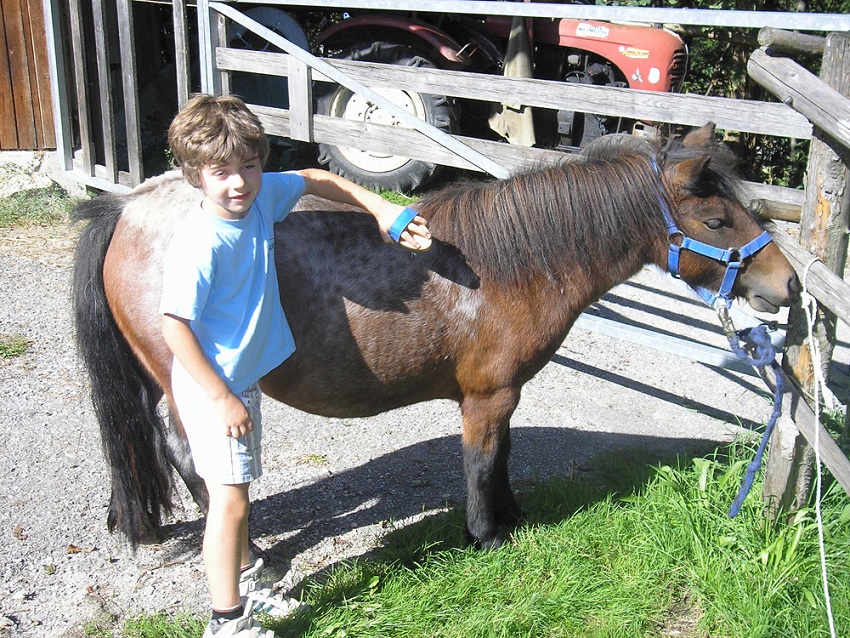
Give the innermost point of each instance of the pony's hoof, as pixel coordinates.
(491, 542)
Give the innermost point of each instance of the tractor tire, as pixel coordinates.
(380, 170)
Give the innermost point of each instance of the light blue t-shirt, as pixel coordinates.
(220, 275)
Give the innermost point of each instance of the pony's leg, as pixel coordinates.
(507, 510)
(180, 456)
(486, 445)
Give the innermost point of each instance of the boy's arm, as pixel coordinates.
(338, 189)
(184, 344)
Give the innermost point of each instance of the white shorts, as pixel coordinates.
(218, 458)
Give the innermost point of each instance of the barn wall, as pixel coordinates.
(26, 112)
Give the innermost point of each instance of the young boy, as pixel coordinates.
(223, 320)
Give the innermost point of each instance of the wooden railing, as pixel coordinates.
(819, 256)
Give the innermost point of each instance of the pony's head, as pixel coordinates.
(702, 191)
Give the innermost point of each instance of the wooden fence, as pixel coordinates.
(819, 256)
(789, 118)
(26, 112)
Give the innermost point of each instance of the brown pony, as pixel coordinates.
(377, 327)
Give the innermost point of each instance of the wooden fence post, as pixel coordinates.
(823, 232)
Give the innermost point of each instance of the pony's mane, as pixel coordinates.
(576, 214)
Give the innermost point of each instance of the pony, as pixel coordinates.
(513, 264)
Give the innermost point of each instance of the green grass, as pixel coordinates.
(397, 198)
(596, 561)
(49, 206)
(13, 346)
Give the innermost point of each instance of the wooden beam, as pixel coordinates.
(688, 109)
(830, 290)
(825, 107)
(781, 40)
(795, 406)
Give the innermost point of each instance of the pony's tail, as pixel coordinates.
(124, 395)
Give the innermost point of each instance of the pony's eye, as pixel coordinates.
(713, 224)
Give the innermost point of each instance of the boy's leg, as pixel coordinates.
(226, 542)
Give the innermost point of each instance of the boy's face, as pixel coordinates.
(231, 187)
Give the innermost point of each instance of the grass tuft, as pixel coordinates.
(49, 206)
(13, 346)
(164, 625)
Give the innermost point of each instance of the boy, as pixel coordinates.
(223, 320)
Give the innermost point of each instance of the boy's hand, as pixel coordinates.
(235, 421)
(415, 237)
(324, 184)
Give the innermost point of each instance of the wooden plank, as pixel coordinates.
(388, 139)
(181, 52)
(104, 83)
(301, 101)
(385, 139)
(688, 109)
(829, 289)
(40, 76)
(133, 128)
(825, 107)
(16, 48)
(794, 405)
(8, 130)
(84, 114)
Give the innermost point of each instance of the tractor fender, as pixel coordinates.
(356, 29)
(649, 58)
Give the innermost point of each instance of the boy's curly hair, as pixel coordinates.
(210, 130)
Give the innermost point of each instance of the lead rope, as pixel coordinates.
(757, 341)
(810, 305)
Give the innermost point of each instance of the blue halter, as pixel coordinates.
(732, 257)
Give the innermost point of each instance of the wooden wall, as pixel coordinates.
(26, 112)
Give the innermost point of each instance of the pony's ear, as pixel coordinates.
(685, 175)
(702, 137)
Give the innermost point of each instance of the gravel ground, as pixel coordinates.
(332, 487)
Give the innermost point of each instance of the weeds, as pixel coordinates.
(13, 346)
(49, 206)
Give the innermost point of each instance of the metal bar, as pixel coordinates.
(692, 350)
(443, 139)
(701, 17)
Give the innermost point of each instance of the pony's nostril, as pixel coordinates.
(794, 287)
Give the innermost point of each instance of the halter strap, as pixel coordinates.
(732, 257)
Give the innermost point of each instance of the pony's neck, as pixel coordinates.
(598, 220)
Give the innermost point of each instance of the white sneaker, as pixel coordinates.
(266, 601)
(245, 626)
(250, 579)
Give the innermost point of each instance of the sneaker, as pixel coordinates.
(245, 626)
(250, 579)
(266, 601)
